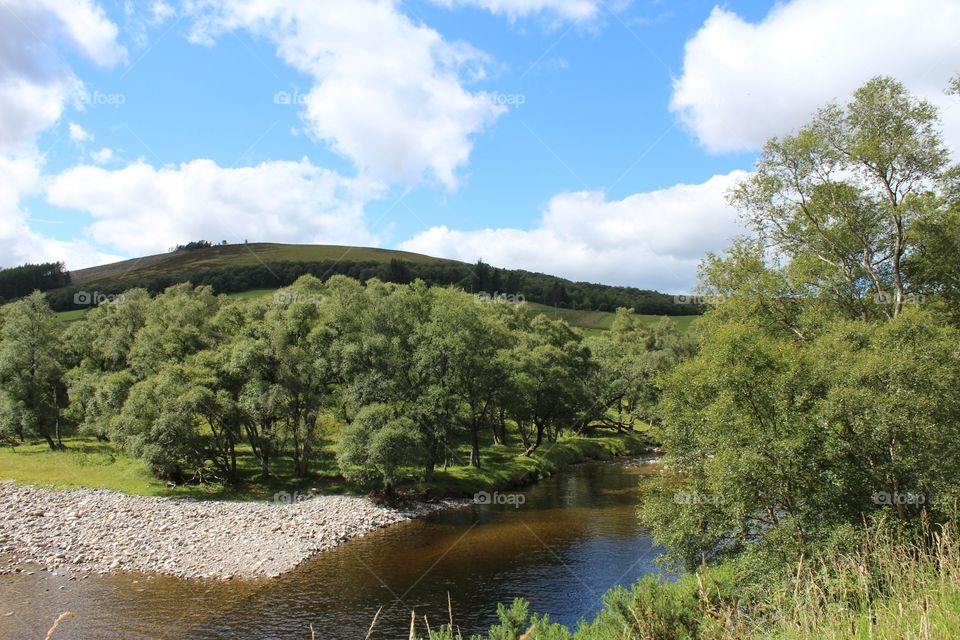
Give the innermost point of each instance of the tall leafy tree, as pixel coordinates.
(550, 367)
(32, 394)
(467, 341)
(839, 198)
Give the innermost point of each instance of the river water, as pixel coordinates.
(575, 536)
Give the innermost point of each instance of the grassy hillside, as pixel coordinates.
(255, 253)
(595, 321)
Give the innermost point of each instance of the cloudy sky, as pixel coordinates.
(585, 138)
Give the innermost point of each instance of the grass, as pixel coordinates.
(595, 322)
(71, 316)
(505, 466)
(888, 589)
(87, 462)
(894, 587)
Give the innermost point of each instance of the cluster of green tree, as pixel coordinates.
(184, 378)
(195, 245)
(17, 282)
(824, 395)
(533, 287)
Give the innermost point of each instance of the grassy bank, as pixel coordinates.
(89, 463)
(504, 466)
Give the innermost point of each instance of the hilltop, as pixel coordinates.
(184, 263)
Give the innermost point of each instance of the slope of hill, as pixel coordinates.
(598, 321)
(234, 255)
(238, 268)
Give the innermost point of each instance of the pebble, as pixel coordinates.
(179, 537)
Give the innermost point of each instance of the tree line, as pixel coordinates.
(480, 277)
(404, 373)
(17, 282)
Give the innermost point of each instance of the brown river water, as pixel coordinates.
(573, 538)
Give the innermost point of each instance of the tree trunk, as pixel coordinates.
(56, 405)
(475, 444)
(264, 464)
(536, 442)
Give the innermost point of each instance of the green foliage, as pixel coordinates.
(17, 282)
(194, 383)
(31, 390)
(158, 421)
(839, 199)
(630, 359)
(377, 444)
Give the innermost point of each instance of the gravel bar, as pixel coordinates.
(101, 531)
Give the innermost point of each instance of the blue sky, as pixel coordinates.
(589, 139)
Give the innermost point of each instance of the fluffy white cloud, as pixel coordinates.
(20, 176)
(648, 240)
(78, 133)
(572, 10)
(140, 209)
(389, 93)
(102, 156)
(743, 82)
(34, 84)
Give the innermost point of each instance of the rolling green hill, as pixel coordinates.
(255, 269)
(235, 255)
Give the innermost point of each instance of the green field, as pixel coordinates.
(596, 321)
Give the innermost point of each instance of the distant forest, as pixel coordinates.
(24, 280)
(480, 277)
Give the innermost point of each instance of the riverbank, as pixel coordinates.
(95, 530)
(504, 467)
(88, 463)
(85, 531)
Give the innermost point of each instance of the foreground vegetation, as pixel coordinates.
(812, 472)
(888, 588)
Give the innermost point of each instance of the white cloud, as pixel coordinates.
(389, 93)
(743, 82)
(160, 12)
(20, 176)
(78, 133)
(648, 240)
(571, 10)
(34, 83)
(140, 209)
(102, 156)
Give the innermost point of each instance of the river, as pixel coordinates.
(574, 536)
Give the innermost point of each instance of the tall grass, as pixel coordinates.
(890, 587)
